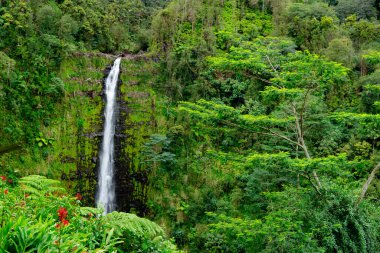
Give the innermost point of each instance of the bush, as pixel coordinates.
(38, 216)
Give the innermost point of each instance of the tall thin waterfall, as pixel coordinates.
(106, 188)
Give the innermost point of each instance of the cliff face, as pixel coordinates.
(135, 122)
(76, 131)
(81, 137)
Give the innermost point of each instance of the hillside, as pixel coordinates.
(240, 126)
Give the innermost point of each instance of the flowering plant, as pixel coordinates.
(55, 222)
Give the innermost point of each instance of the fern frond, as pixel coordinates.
(130, 223)
(84, 211)
(40, 185)
(31, 190)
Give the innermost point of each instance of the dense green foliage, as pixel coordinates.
(38, 216)
(274, 155)
(36, 36)
(256, 123)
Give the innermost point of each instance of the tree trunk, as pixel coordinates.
(368, 182)
(301, 141)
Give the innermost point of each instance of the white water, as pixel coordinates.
(106, 188)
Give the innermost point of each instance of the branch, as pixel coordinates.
(303, 144)
(314, 186)
(273, 133)
(303, 110)
(307, 176)
(274, 70)
(263, 80)
(301, 141)
(368, 182)
(270, 63)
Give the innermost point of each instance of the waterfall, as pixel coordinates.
(106, 188)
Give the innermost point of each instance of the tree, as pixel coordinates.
(279, 15)
(295, 86)
(368, 182)
(341, 50)
(361, 31)
(311, 25)
(371, 96)
(47, 18)
(363, 9)
(67, 28)
(7, 66)
(366, 126)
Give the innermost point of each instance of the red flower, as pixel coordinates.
(65, 222)
(4, 178)
(79, 196)
(6, 191)
(62, 224)
(62, 213)
(90, 215)
(10, 181)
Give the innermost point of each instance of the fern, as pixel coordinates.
(132, 224)
(139, 234)
(40, 185)
(85, 211)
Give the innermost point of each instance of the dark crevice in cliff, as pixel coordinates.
(131, 181)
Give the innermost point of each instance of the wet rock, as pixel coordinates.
(63, 176)
(138, 94)
(93, 135)
(67, 159)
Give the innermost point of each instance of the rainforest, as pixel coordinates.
(235, 126)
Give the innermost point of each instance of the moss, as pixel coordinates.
(74, 128)
(77, 126)
(139, 121)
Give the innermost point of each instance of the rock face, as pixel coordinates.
(83, 131)
(87, 142)
(133, 127)
(81, 127)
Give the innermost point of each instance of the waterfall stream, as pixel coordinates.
(106, 189)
